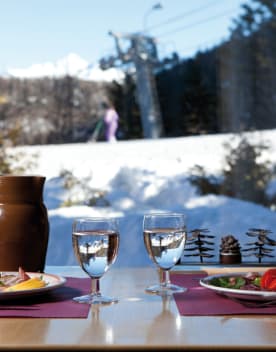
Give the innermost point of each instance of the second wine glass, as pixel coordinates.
(95, 244)
(165, 238)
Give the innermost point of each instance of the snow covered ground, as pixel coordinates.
(141, 176)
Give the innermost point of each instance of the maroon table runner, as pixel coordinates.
(198, 300)
(57, 303)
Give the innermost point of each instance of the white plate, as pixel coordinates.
(237, 293)
(53, 281)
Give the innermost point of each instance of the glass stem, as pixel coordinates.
(164, 277)
(166, 303)
(95, 287)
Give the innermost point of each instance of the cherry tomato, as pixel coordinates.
(272, 285)
(267, 277)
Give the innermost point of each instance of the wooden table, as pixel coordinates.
(138, 321)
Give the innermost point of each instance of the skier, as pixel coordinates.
(111, 119)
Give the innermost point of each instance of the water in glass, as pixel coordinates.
(164, 238)
(95, 244)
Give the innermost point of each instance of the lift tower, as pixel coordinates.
(142, 53)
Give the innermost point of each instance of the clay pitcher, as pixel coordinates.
(24, 225)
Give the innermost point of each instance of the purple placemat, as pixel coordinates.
(57, 303)
(198, 300)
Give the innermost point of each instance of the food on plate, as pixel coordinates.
(29, 284)
(268, 280)
(253, 281)
(20, 281)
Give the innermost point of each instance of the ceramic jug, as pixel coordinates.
(24, 225)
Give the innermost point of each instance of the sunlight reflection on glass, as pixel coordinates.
(167, 321)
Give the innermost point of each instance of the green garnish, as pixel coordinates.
(228, 282)
(257, 281)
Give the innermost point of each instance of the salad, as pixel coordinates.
(253, 281)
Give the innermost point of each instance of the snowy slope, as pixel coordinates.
(141, 176)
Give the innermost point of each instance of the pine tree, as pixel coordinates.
(199, 244)
(259, 248)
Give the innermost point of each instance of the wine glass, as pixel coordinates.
(95, 244)
(164, 237)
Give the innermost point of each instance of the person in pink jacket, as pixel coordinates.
(111, 119)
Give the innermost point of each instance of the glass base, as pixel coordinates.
(165, 290)
(95, 299)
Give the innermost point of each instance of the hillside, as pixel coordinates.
(140, 176)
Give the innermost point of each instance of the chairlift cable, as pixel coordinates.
(209, 19)
(185, 14)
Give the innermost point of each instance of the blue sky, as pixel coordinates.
(37, 31)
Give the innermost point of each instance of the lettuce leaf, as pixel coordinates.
(228, 282)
